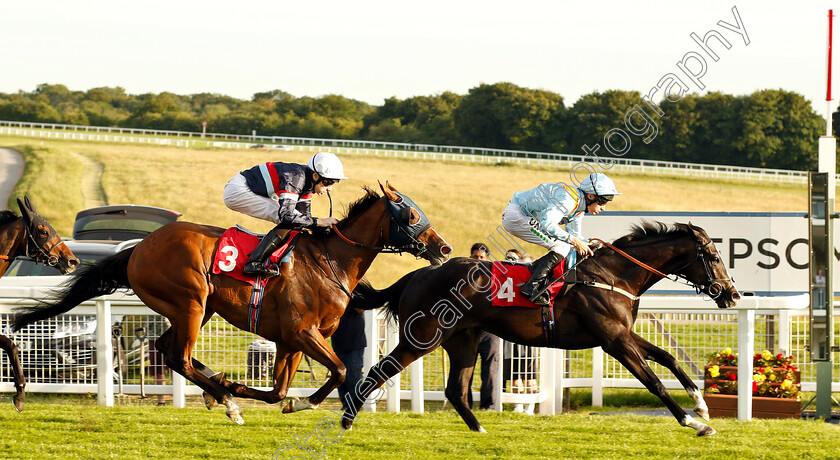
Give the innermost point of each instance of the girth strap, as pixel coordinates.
(255, 305)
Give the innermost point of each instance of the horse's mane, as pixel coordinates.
(7, 217)
(359, 206)
(647, 230)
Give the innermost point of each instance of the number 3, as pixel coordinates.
(229, 263)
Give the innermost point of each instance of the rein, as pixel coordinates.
(631, 258)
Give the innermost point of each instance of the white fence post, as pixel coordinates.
(179, 390)
(371, 353)
(417, 401)
(746, 350)
(497, 378)
(548, 383)
(598, 377)
(784, 332)
(104, 354)
(392, 390)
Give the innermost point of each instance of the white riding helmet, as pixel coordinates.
(599, 184)
(327, 165)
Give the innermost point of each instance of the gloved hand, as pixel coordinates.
(325, 221)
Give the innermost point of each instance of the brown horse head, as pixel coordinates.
(411, 228)
(708, 271)
(43, 243)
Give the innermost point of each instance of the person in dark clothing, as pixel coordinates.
(348, 343)
(488, 349)
(281, 193)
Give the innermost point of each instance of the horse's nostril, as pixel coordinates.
(73, 262)
(736, 295)
(445, 250)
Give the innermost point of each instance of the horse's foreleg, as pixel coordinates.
(285, 366)
(462, 348)
(17, 371)
(631, 356)
(313, 344)
(397, 361)
(667, 360)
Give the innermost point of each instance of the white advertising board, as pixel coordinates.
(766, 253)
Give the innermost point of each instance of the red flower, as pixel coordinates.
(732, 376)
(731, 357)
(755, 387)
(760, 370)
(714, 385)
(780, 357)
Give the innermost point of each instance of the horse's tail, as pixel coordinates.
(365, 297)
(102, 278)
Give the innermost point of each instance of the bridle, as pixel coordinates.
(407, 234)
(402, 236)
(711, 286)
(36, 250)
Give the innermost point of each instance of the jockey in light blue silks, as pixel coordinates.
(536, 216)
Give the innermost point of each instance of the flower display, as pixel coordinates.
(774, 376)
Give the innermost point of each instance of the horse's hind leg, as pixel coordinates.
(667, 360)
(177, 345)
(632, 356)
(285, 366)
(17, 371)
(462, 348)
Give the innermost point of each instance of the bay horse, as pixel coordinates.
(170, 271)
(29, 235)
(448, 305)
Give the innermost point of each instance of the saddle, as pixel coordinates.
(235, 245)
(508, 276)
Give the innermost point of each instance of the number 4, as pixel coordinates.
(506, 292)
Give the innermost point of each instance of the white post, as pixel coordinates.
(559, 375)
(392, 386)
(417, 401)
(784, 332)
(179, 390)
(746, 351)
(104, 354)
(371, 353)
(548, 366)
(598, 377)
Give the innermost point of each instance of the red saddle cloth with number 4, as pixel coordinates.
(509, 277)
(234, 247)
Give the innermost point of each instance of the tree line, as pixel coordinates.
(768, 128)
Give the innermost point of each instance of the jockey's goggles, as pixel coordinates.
(604, 199)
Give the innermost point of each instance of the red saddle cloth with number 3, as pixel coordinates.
(234, 247)
(509, 277)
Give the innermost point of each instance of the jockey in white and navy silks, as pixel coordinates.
(282, 193)
(537, 215)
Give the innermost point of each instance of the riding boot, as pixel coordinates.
(539, 271)
(255, 265)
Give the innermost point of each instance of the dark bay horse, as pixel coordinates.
(445, 306)
(29, 235)
(170, 270)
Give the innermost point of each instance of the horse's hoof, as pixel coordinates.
(235, 416)
(347, 423)
(18, 401)
(481, 429)
(706, 431)
(209, 401)
(296, 405)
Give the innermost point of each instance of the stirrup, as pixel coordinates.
(257, 268)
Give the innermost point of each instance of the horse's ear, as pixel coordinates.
(698, 232)
(390, 187)
(389, 192)
(28, 204)
(24, 211)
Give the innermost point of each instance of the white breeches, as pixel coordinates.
(527, 228)
(239, 197)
